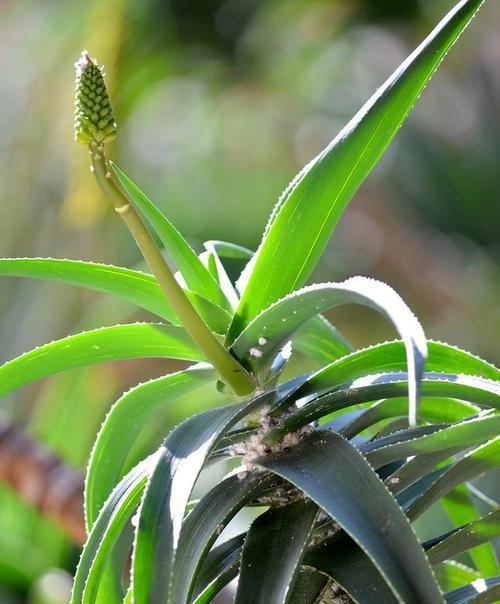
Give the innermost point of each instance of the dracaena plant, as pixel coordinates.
(339, 462)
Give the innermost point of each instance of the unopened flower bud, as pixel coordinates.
(94, 119)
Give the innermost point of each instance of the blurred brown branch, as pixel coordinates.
(42, 480)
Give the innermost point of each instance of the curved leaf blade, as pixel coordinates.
(276, 324)
(120, 342)
(349, 566)
(467, 537)
(218, 569)
(388, 385)
(310, 207)
(122, 425)
(432, 409)
(484, 458)
(446, 441)
(316, 465)
(134, 286)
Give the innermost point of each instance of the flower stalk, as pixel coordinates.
(94, 126)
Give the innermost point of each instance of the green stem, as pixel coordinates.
(228, 367)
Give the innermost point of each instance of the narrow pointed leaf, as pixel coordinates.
(120, 342)
(311, 206)
(317, 466)
(124, 423)
(460, 507)
(281, 533)
(308, 586)
(390, 356)
(446, 440)
(196, 275)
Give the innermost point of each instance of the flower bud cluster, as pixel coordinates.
(94, 119)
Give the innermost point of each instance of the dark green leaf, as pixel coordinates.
(204, 524)
(219, 567)
(271, 556)
(389, 385)
(481, 591)
(347, 564)
(447, 440)
(432, 409)
(179, 463)
(317, 465)
(481, 531)
(475, 463)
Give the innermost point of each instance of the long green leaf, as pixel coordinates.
(196, 275)
(282, 534)
(268, 332)
(447, 441)
(181, 459)
(467, 537)
(123, 424)
(136, 287)
(308, 587)
(434, 410)
(389, 385)
(120, 342)
(460, 507)
(312, 204)
(390, 356)
(317, 465)
(484, 458)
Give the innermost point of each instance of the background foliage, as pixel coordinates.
(219, 104)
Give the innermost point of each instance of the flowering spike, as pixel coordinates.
(94, 119)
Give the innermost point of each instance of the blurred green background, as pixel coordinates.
(219, 103)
